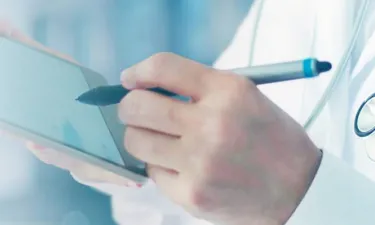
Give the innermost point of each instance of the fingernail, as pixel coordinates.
(38, 147)
(121, 115)
(121, 120)
(127, 81)
(123, 74)
(35, 147)
(134, 185)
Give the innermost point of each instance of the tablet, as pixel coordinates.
(38, 94)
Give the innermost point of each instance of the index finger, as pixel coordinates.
(172, 72)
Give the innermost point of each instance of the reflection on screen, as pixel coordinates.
(38, 92)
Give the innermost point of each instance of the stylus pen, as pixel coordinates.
(265, 74)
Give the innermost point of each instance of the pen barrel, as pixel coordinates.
(279, 72)
(263, 74)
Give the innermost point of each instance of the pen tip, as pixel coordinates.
(83, 99)
(324, 66)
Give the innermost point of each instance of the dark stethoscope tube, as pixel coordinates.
(357, 131)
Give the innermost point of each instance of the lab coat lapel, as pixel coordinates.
(285, 33)
(328, 131)
(295, 29)
(363, 85)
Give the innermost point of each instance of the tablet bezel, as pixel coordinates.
(133, 169)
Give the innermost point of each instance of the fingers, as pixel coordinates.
(7, 30)
(155, 148)
(174, 73)
(34, 146)
(91, 174)
(151, 111)
(84, 171)
(11, 136)
(56, 158)
(168, 182)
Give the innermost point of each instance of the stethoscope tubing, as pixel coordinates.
(357, 131)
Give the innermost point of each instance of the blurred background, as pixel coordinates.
(107, 36)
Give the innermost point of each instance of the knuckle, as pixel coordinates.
(237, 87)
(223, 133)
(173, 114)
(130, 104)
(157, 62)
(217, 130)
(161, 57)
(207, 167)
(239, 84)
(198, 198)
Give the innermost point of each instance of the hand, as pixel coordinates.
(84, 172)
(230, 156)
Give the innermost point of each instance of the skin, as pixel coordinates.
(229, 156)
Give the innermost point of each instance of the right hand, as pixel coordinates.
(83, 172)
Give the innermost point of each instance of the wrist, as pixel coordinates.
(295, 191)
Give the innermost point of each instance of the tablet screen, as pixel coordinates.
(38, 92)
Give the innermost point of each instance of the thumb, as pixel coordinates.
(171, 72)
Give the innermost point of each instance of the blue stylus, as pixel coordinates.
(264, 74)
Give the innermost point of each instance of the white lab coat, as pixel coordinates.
(343, 191)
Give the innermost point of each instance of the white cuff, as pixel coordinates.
(338, 196)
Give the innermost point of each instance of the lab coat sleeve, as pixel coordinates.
(338, 195)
